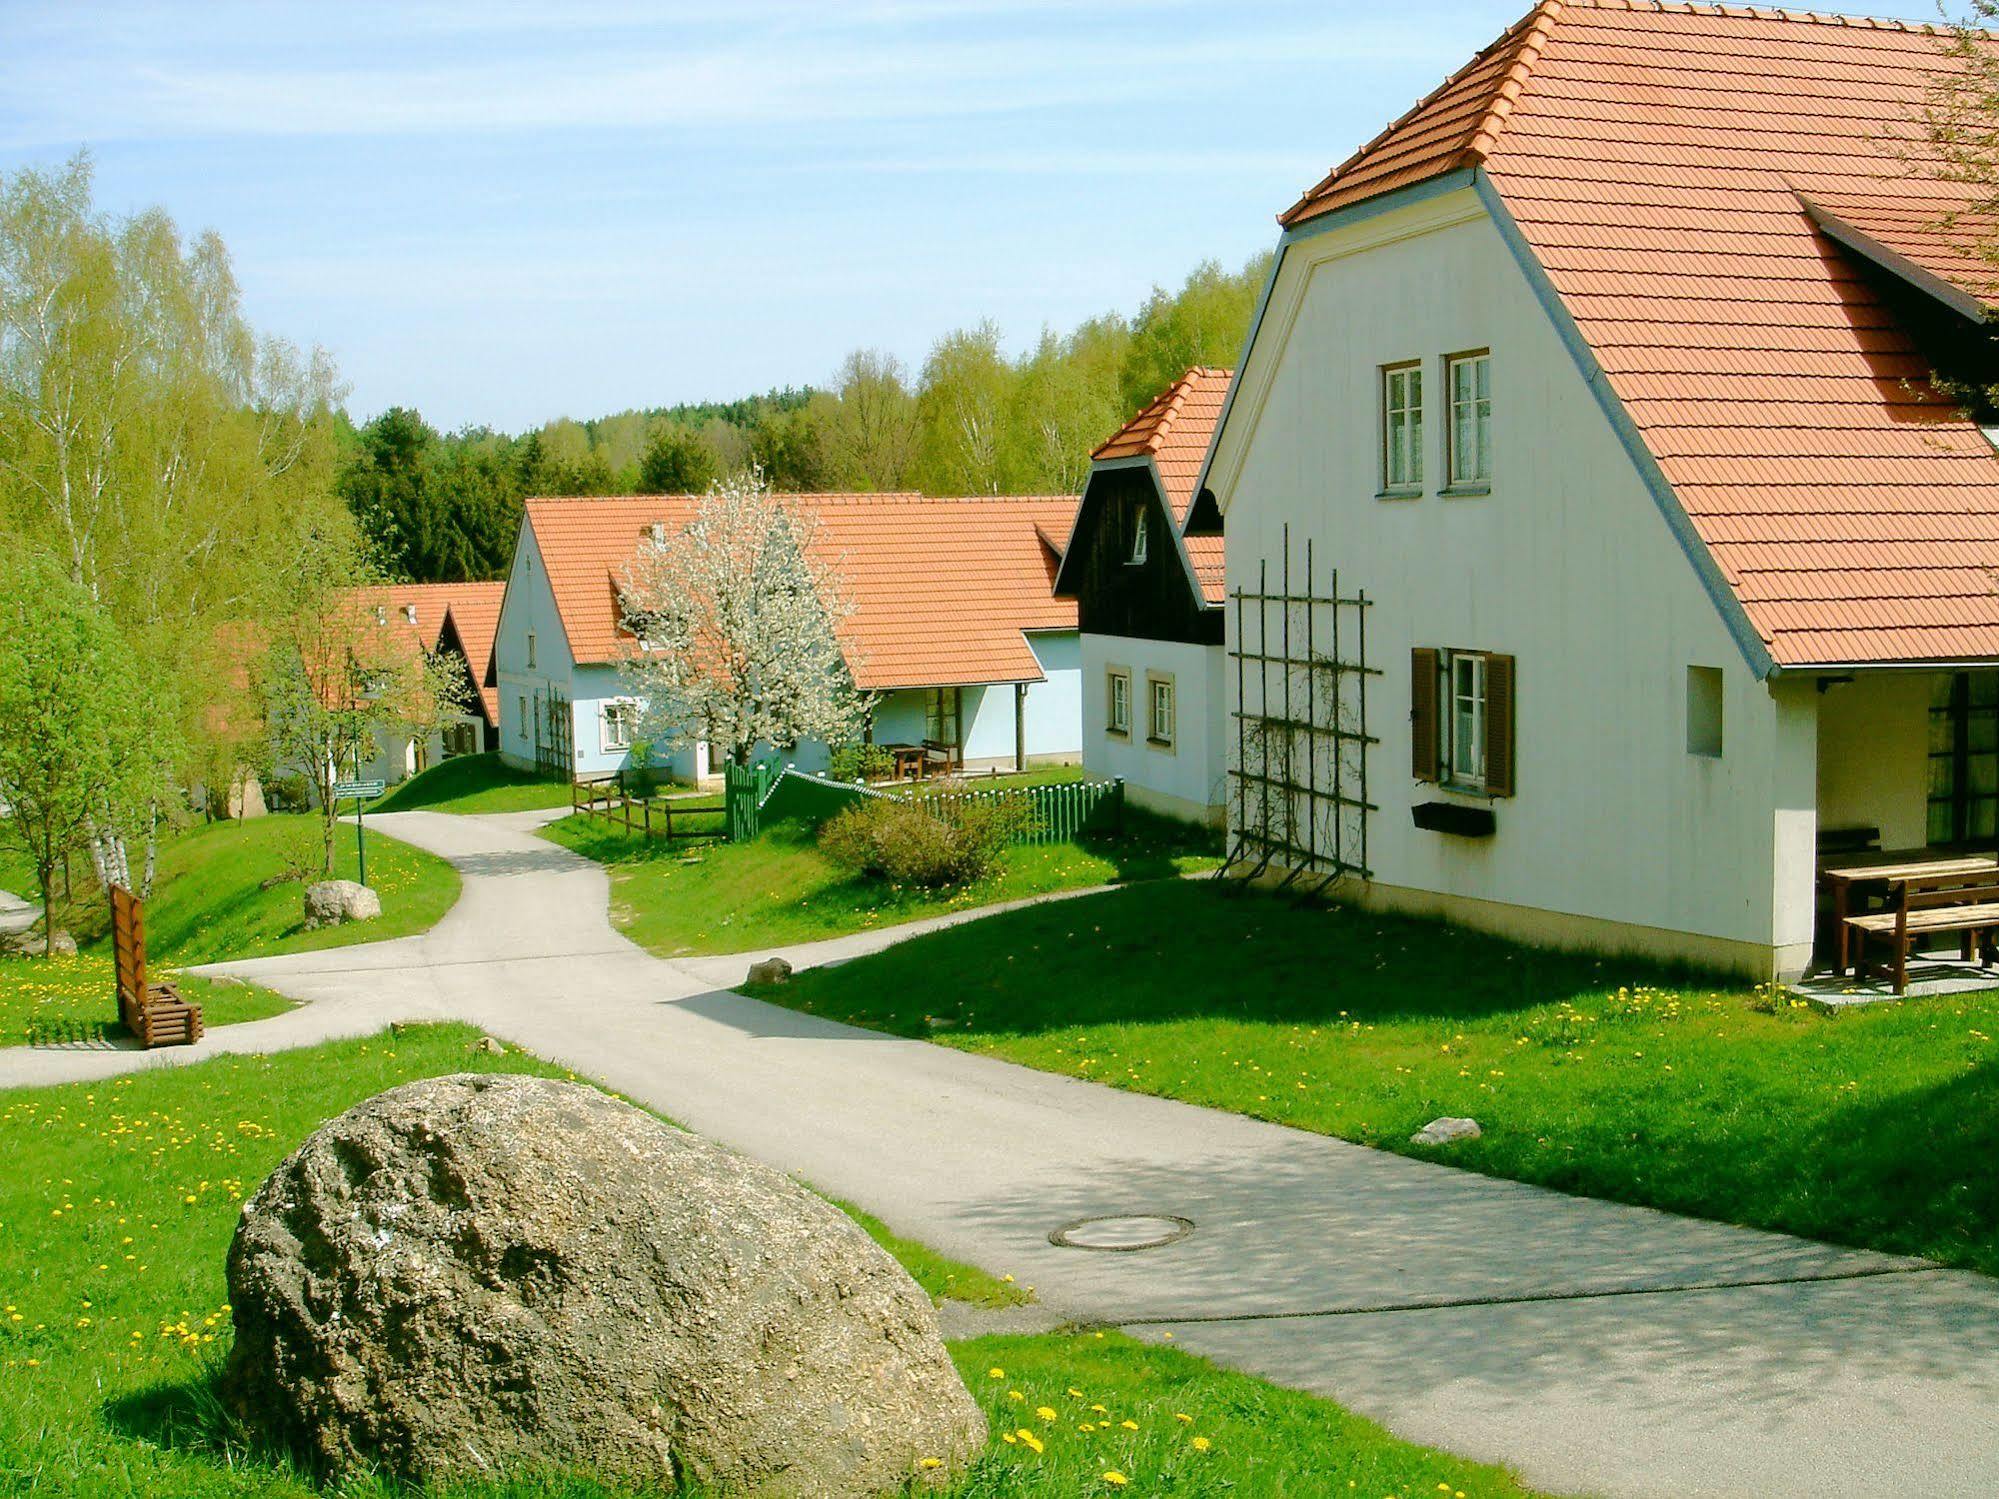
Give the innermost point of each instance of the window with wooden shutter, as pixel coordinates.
(1423, 713)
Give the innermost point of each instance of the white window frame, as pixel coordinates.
(614, 726)
(1139, 532)
(1402, 428)
(1117, 710)
(1468, 421)
(1463, 728)
(1159, 691)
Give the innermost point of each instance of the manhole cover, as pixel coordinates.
(1122, 1232)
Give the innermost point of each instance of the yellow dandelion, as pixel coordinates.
(1115, 1479)
(931, 1462)
(995, 1373)
(1183, 1418)
(1201, 1444)
(1029, 1439)
(1129, 1425)
(1045, 1412)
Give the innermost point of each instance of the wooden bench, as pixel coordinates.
(155, 1013)
(1921, 906)
(940, 758)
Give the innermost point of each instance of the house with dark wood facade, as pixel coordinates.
(1148, 591)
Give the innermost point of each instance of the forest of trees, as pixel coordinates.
(444, 507)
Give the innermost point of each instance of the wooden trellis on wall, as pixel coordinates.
(1298, 796)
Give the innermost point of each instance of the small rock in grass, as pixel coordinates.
(331, 902)
(489, 1045)
(770, 971)
(29, 944)
(1446, 1131)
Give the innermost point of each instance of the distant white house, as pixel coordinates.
(1149, 604)
(457, 620)
(1618, 414)
(954, 627)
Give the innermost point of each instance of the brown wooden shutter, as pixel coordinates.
(1423, 713)
(1499, 725)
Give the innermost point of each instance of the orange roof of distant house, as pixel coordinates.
(1662, 163)
(1173, 430)
(417, 610)
(944, 590)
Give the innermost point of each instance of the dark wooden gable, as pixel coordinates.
(1151, 600)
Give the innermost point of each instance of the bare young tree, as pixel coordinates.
(736, 618)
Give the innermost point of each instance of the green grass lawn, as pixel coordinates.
(474, 783)
(115, 1216)
(74, 999)
(1875, 1127)
(778, 889)
(212, 897)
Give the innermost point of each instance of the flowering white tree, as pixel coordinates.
(736, 618)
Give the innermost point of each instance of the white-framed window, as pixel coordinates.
(526, 731)
(531, 666)
(1468, 379)
(1160, 729)
(1464, 722)
(1117, 715)
(1138, 535)
(617, 726)
(1402, 428)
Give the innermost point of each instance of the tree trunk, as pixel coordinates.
(46, 874)
(152, 850)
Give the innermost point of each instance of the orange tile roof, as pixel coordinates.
(474, 608)
(1654, 157)
(1173, 430)
(943, 589)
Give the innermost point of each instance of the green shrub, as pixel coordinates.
(896, 840)
(861, 762)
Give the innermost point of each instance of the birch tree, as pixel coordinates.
(69, 698)
(736, 621)
(153, 445)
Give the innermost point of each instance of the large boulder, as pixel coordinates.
(475, 1275)
(330, 902)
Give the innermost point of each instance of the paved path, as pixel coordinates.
(1594, 1347)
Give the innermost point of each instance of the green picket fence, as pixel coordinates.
(757, 796)
(1059, 813)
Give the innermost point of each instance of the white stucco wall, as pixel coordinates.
(1567, 564)
(528, 607)
(1874, 756)
(1187, 780)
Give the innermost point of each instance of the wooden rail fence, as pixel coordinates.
(654, 817)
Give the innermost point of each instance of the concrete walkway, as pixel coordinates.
(1593, 1347)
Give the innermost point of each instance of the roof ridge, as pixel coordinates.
(1533, 20)
(1761, 13)
(1538, 23)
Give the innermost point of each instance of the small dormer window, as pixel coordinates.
(655, 532)
(381, 614)
(409, 614)
(1138, 535)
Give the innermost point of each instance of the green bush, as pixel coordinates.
(861, 762)
(896, 840)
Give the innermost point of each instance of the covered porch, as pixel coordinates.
(1907, 834)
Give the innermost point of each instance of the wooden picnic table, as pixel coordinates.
(911, 760)
(1843, 874)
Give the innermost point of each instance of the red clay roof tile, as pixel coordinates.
(943, 589)
(1173, 430)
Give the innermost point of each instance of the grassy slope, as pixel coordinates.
(779, 889)
(472, 784)
(1875, 1127)
(116, 1212)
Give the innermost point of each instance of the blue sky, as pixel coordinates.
(504, 213)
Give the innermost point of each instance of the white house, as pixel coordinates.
(1149, 604)
(954, 628)
(1603, 376)
(456, 620)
